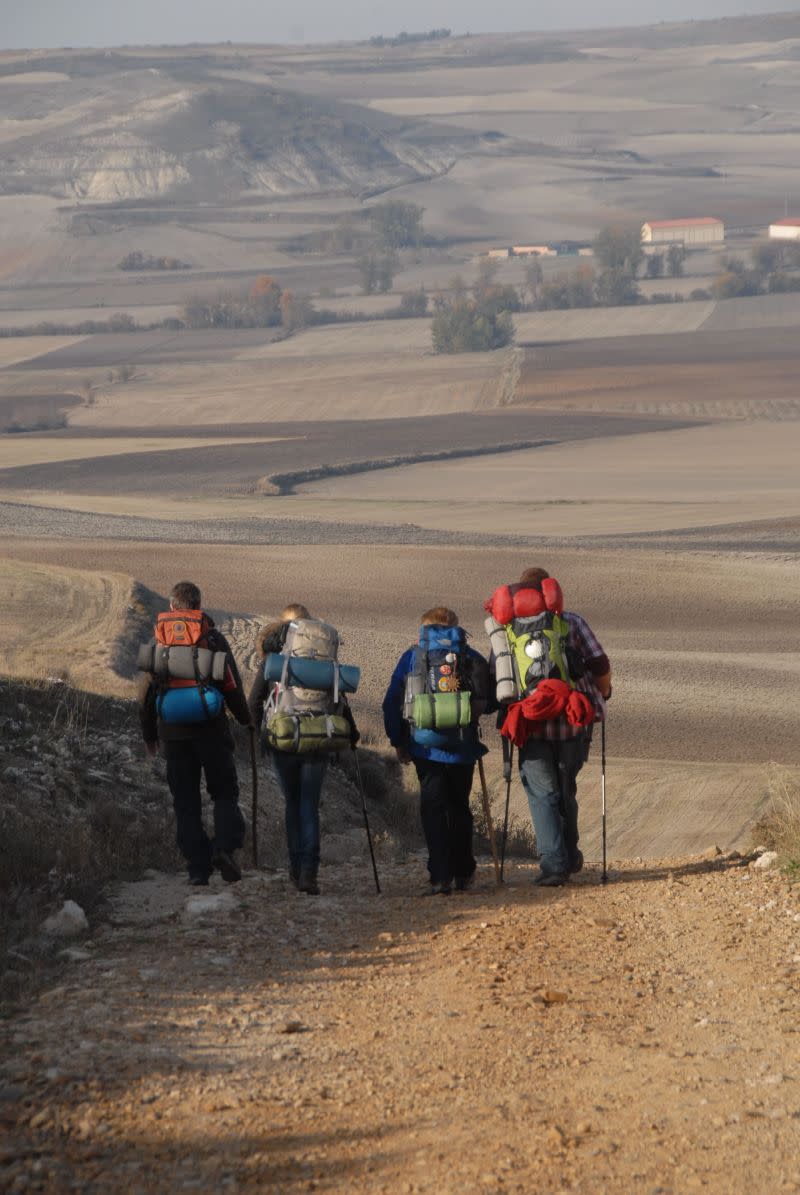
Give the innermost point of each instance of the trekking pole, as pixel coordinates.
(366, 820)
(487, 813)
(604, 876)
(254, 814)
(508, 757)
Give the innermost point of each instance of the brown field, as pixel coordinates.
(624, 1038)
(663, 477)
(687, 767)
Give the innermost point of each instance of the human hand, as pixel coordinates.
(403, 756)
(151, 748)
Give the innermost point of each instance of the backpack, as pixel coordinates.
(437, 701)
(530, 639)
(302, 720)
(187, 672)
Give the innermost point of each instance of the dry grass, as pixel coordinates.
(779, 826)
(64, 830)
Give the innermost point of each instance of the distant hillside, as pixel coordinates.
(103, 127)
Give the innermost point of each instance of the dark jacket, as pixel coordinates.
(155, 728)
(469, 748)
(262, 688)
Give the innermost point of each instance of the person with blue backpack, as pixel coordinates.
(438, 691)
(299, 697)
(190, 681)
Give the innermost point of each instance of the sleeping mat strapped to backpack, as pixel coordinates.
(186, 671)
(304, 714)
(437, 703)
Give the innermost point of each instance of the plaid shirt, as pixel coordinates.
(582, 640)
(585, 643)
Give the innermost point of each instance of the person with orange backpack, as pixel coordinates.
(191, 680)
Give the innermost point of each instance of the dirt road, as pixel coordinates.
(636, 1038)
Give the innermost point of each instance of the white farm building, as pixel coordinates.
(785, 230)
(701, 230)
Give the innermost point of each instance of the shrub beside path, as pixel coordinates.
(638, 1037)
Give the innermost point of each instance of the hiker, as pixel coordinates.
(303, 726)
(437, 693)
(552, 682)
(191, 678)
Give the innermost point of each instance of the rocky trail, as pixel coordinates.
(641, 1037)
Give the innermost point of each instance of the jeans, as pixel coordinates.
(446, 818)
(187, 761)
(549, 774)
(300, 778)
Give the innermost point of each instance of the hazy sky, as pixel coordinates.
(112, 22)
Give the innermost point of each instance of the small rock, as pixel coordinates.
(75, 954)
(69, 922)
(293, 1027)
(204, 906)
(766, 861)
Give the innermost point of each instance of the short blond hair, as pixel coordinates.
(295, 610)
(440, 616)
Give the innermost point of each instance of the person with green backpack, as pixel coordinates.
(553, 679)
(299, 694)
(438, 691)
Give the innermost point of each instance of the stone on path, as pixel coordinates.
(210, 905)
(69, 922)
(766, 862)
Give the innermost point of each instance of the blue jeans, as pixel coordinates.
(300, 778)
(549, 774)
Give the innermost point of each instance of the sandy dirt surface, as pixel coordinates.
(278, 456)
(38, 450)
(64, 622)
(637, 1037)
(689, 477)
(14, 350)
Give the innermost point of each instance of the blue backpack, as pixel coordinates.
(437, 703)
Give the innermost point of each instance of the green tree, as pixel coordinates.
(534, 277)
(397, 224)
(460, 325)
(377, 271)
(414, 303)
(767, 256)
(735, 284)
(581, 284)
(654, 267)
(618, 247)
(616, 288)
(676, 257)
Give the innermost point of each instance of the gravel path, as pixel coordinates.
(639, 1037)
(21, 520)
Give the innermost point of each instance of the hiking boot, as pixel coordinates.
(198, 881)
(308, 883)
(227, 866)
(552, 879)
(576, 863)
(463, 883)
(441, 889)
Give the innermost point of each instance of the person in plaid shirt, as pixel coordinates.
(555, 751)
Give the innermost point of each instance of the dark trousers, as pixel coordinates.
(300, 778)
(187, 762)
(446, 818)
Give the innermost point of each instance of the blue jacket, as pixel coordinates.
(467, 748)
